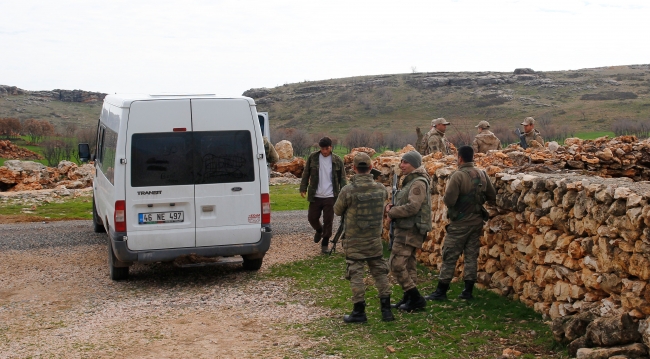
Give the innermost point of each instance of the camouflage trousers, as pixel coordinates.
(356, 272)
(403, 265)
(459, 239)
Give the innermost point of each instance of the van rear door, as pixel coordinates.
(159, 175)
(228, 195)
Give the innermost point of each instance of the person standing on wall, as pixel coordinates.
(412, 215)
(362, 204)
(322, 180)
(467, 190)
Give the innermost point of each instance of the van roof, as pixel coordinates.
(125, 100)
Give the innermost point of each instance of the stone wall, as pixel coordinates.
(566, 242)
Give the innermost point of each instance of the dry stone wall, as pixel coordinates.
(569, 234)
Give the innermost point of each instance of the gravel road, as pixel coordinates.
(56, 299)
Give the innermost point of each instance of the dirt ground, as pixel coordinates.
(59, 302)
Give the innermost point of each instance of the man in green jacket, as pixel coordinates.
(467, 189)
(322, 179)
(362, 203)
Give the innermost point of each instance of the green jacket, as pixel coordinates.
(460, 184)
(362, 202)
(309, 182)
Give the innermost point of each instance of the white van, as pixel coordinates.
(177, 175)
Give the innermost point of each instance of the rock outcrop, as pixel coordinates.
(18, 175)
(11, 151)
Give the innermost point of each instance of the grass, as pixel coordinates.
(481, 328)
(287, 198)
(594, 135)
(69, 209)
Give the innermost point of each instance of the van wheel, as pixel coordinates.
(98, 226)
(116, 273)
(253, 264)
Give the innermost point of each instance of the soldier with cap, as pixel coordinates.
(467, 189)
(362, 203)
(412, 215)
(435, 140)
(531, 133)
(485, 140)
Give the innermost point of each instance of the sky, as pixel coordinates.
(227, 47)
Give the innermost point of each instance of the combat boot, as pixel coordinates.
(318, 236)
(358, 314)
(386, 313)
(467, 292)
(440, 292)
(414, 301)
(401, 301)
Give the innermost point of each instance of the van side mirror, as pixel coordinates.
(84, 152)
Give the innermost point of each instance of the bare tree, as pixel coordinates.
(36, 130)
(10, 127)
(461, 133)
(357, 138)
(53, 151)
(506, 135)
(397, 140)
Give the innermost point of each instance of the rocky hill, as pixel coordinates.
(584, 100)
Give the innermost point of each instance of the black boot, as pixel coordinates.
(317, 236)
(440, 293)
(386, 313)
(467, 292)
(414, 301)
(401, 301)
(358, 314)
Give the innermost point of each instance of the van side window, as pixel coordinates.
(224, 157)
(107, 159)
(260, 118)
(161, 159)
(100, 143)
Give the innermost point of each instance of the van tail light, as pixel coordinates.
(266, 209)
(120, 216)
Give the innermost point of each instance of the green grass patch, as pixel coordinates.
(594, 135)
(74, 208)
(480, 328)
(287, 198)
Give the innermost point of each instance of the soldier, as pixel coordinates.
(435, 140)
(412, 215)
(322, 179)
(485, 140)
(419, 144)
(271, 154)
(531, 133)
(467, 189)
(362, 203)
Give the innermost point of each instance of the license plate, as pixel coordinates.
(160, 217)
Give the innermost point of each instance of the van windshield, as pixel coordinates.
(182, 158)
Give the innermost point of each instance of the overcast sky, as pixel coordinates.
(227, 47)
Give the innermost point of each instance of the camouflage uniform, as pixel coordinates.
(271, 154)
(534, 135)
(362, 202)
(419, 144)
(485, 141)
(412, 206)
(435, 141)
(464, 232)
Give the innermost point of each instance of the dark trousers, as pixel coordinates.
(326, 207)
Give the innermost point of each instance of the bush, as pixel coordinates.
(37, 130)
(627, 127)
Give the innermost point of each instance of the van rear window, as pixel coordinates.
(181, 158)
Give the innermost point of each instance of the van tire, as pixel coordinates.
(98, 226)
(252, 264)
(116, 273)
